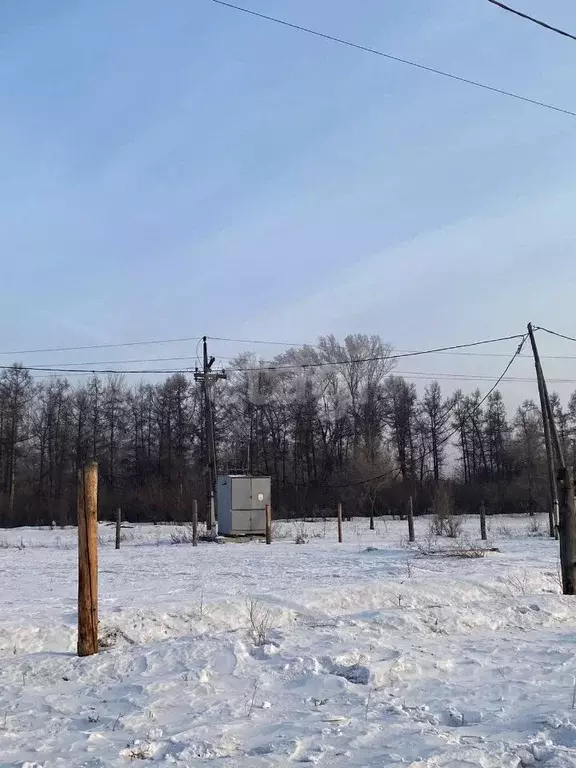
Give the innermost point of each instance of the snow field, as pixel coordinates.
(361, 654)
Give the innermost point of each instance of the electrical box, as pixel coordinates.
(242, 501)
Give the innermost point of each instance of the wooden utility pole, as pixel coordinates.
(118, 526)
(483, 535)
(195, 523)
(567, 530)
(563, 491)
(268, 524)
(553, 512)
(87, 508)
(411, 536)
(340, 522)
(207, 377)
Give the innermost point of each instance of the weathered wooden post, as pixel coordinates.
(195, 523)
(87, 508)
(567, 530)
(118, 526)
(411, 536)
(340, 522)
(268, 524)
(483, 522)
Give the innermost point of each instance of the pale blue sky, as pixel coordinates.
(177, 168)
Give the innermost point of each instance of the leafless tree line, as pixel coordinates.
(329, 423)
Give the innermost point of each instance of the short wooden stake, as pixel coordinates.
(483, 521)
(340, 522)
(195, 523)
(118, 526)
(268, 524)
(411, 536)
(87, 506)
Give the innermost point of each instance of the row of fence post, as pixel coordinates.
(87, 509)
(268, 523)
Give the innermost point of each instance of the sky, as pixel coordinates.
(177, 169)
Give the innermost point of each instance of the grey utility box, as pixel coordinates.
(242, 504)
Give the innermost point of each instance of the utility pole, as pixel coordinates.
(207, 377)
(564, 485)
(553, 512)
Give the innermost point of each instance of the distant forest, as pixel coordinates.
(330, 423)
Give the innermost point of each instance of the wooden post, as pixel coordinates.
(411, 536)
(195, 523)
(567, 530)
(340, 522)
(483, 535)
(118, 526)
(268, 524)
(88, 559)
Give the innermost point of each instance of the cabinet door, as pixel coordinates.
(241, 493)
(260, 492)
(241, 521)
(258, 520)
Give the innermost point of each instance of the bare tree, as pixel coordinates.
(329, 423)
(529, 447)
(399, 411)
(16, 395)
(436, 412)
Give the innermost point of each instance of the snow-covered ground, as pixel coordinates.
(362, 654)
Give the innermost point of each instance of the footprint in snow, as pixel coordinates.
(354, 673)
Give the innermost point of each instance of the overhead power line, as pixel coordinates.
(458, 376)
(446, 374)
(408, 375)
(406, 352)
(265, 367)
(492, 389)
(100, 371)
(458, 346)
(261, 341)
(315, 345)
(555, 333)
(489, 354)
(150, 342)
(101, 346)
(397, 472)
(122, 362)
(377, 358)
(401, 353)
(398, 59)
(505, 371)
(532, 19)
